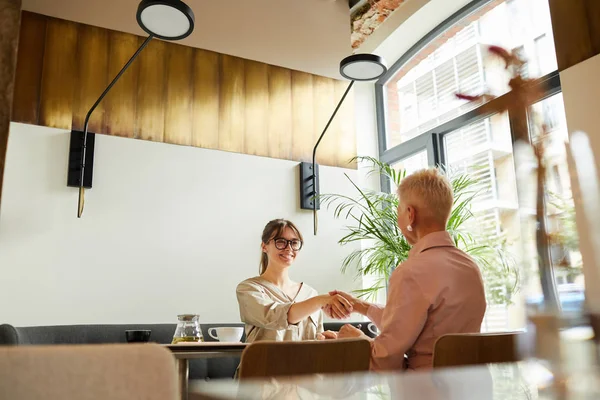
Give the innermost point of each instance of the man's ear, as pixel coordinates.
(412, 214)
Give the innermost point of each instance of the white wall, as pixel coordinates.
(367, 145)
(581, 89)
(166, 230)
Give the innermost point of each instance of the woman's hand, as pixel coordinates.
(359, 306)
(337, 306)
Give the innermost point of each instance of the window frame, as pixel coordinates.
(433, 139)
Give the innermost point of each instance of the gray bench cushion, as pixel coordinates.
(212, 368)
(98, 334)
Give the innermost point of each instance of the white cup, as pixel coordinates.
(226, 333)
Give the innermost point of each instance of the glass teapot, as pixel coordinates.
(188, 329)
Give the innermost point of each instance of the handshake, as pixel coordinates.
(340, 305)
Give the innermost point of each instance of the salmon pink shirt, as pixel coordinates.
(436, 291)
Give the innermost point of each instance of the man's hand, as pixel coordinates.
(336, 306)
(327, 335)
(329, 311)
(348, 331)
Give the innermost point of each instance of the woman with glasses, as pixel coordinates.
(274, 307)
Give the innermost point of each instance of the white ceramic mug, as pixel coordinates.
(226, 333)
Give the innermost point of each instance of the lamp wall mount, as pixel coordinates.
(75, 155)
(309, 187)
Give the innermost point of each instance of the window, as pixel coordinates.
(425, 124)
(487, 158)
(560, 219)
(545, 55)
(412, 163)
(520, 52)
(426, 97)
(421, 95)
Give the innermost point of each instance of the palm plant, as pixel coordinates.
(373, 218)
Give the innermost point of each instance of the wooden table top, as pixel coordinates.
(191, 347)
(184, 351)
(526, 380)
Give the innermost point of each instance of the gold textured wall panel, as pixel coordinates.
(176, 94)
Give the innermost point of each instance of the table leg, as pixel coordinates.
(183, 370)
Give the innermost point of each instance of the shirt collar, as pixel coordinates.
(434, 239)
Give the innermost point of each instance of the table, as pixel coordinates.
(183, 352)
(525, 380)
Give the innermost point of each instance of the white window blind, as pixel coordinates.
(429, 98)
(469, 150)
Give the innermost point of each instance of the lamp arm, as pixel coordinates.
(89, 114)
(314, 154)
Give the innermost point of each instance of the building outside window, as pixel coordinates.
(426, 124)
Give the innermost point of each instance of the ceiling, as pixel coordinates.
(305, 35)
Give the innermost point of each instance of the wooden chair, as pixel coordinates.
(88, 372)
(267, 358)
(475, 348)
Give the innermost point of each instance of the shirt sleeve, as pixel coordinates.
(320, 328)
(375, 313)
(402, 321)
(259, 309)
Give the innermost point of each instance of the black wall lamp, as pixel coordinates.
(163, 19)
(357, 67)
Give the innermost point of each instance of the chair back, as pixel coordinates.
(88, 372)
(455, 350)
(268, 358)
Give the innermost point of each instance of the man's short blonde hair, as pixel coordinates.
(430, 192)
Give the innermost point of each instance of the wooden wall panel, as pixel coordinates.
(10, 23)
(280, 113)
(593, 19)
(257, 109)
(60, 66)
(232, 103)
(92, 58)
(30, 60)
(324, 105)
(303, 126)
(576, 28)
(120, 103)
(205, 108)
(150, 116)
(177, 94)
(178, 115)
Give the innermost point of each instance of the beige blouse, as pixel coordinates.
(264, 309)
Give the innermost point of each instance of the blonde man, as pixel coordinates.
(436, 291)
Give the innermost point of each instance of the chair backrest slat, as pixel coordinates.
(268, 358)
(455, 350)
(88, 372)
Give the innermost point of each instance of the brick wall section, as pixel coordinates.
(367, 19)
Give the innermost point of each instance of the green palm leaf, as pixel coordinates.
(373, 216)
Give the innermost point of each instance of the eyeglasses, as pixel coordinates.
(282, 244)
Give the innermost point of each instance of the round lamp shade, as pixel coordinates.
(166, 19)
(363, 67)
